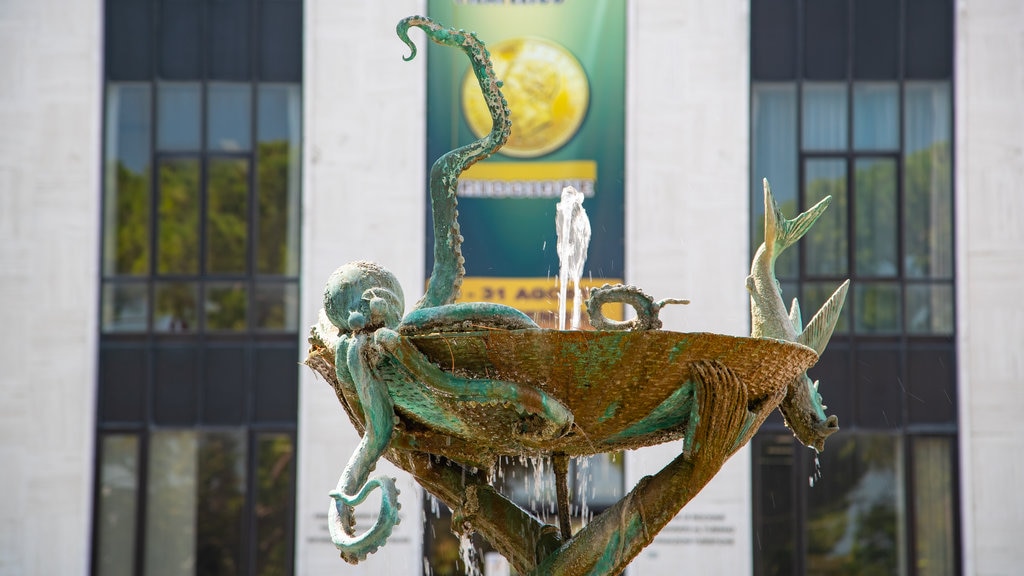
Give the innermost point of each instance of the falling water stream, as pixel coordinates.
(573, 229)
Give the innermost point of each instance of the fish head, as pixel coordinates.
(805, 414)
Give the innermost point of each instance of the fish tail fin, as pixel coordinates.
(780, 233)
(819, 329)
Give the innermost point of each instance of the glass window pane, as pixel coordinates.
(877, 308)
(220, 489)
(275, 495)
(775, 509)
(178, 213)
(123, 380)
(874, 184)
(826, 29)
(116, 505)
(171, 504)
(934, 507)
(931, 386)
(825, 245)
(929, 42)
(824, 116)
(128, 31)
(929, 308)
(855, 512)
(126, 206)
(276, 383)
(773, 40)
(226, 305)
(227, 215)
(276, 306)
(125, 307)
(229, 116)
(774, 148)
(876, 116)
(178, 108)
(176, 383)
(277, 185)
(878, 386)
(876, 39)
(224, 399)
(180, 41)
(176, 306)
(927, 173)
(227, 39)
(281, 46)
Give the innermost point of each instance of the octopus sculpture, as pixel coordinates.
(467, 383)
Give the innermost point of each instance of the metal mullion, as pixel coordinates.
(909, 506)
(249, 532)
(253, 212)
(824, 154)
(94, 524)
(141, 503)
(292, 505)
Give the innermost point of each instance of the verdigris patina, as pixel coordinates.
(467, 383)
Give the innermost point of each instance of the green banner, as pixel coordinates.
(563, 68)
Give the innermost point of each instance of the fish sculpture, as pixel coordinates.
(802, 407)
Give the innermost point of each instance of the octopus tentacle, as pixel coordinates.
(446, 277)
(556, 417)
(354, 485)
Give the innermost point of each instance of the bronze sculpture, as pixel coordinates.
(468, 383)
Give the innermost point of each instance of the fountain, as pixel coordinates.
(573, 230)
(446, 390)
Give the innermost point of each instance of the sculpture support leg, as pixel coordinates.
(560, 464)
(613, 539)
(522, 539)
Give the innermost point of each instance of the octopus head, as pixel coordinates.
(362, 297)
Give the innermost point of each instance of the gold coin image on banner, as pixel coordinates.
(546, 89)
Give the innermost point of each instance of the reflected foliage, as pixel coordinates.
(875, 219)
(927, 228)
(227, 216)
(226, 307)
(825, 245)
(276, 251)
(273, 504)
(853, 517)
(928, 221)
(170, 534)
(176, 307)
(178, 213)
(130, 228)
(220, 501)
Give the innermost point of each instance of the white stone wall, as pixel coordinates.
(50, 99)
(989, 164)
(363, 199)
(686, 228)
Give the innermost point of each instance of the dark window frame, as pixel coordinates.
(904, 342)
(123, 66)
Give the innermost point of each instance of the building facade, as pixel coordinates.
(208, 164)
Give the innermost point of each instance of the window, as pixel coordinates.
(199, 345)
(853, 99)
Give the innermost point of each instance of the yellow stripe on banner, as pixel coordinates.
(515, 171)
(537, 297)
